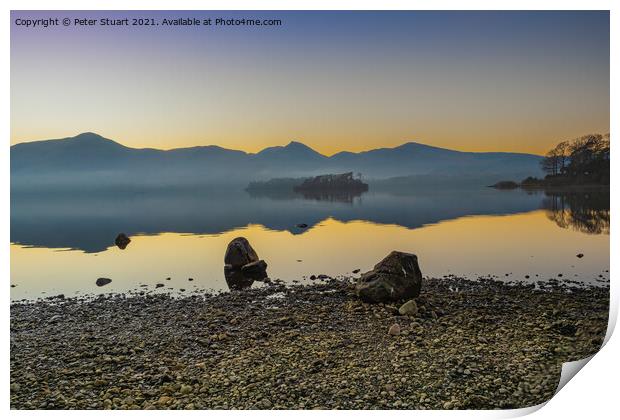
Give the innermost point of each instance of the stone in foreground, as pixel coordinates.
(242, 266)
(394, 329)
(394, 278)
(240, 253)
(408, 308)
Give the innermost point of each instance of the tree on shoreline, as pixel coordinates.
(556, 159)
(582, 160)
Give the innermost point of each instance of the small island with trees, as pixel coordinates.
(582, 162)
(340, 182)
(330, 183)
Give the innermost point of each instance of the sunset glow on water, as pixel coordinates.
(520, 244)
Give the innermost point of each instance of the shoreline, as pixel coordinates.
(473, 344)
(552, 188)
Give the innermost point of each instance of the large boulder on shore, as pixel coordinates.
(396, 277)
(242, 265)
(240, 253)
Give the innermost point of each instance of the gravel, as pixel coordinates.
(470, 345)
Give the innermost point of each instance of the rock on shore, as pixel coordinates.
(242, 266)
(394, 278)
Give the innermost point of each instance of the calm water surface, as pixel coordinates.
(63, 242)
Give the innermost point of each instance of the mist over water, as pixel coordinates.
(63, 241)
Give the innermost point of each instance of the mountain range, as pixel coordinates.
(89, 159)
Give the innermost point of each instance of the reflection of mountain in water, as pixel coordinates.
(586, 212)
(90, 221)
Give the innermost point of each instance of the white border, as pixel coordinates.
(593, 394)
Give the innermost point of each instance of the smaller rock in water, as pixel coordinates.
(102, 281)
(408, 308)
(302, 225)
(394, 330)
(190, 279)
(122, 240)
(357, 270)
(158, 285)
(579, 255)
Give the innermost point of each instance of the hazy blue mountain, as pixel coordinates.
(293, 159)
(91, 160)
(294, 151)
(420, 159)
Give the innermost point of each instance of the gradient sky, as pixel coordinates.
(476, 81)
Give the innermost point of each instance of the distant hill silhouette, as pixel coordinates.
(89, 159)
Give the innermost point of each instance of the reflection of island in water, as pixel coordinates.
(330, 196)
(334, 196)
(586, 212)
(90, 221)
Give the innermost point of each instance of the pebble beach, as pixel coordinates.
(463, 344)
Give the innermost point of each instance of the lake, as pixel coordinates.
(61, 241)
